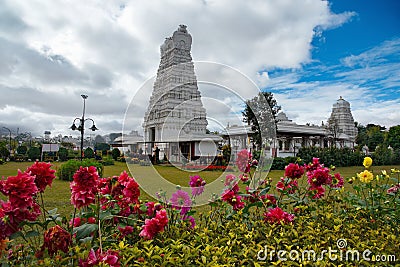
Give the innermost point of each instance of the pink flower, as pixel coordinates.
(294, 171)
(337, 181)
(244, 177)
(180, 200)
(230, 180)
(155, 225)
(197, 184)
(43, 173)
(189, 219)
(394, 189)
(233, 199)
(110, 258)
(277, 215)
(55, 239)
(317, 192)
(243, 160)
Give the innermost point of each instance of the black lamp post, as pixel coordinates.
(81, 127)
(10, 137)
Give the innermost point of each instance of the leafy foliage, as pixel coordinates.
(67, 170)
(115, 153)
(89, 153)
(34, 153)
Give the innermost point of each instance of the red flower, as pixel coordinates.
(75, 222)
(317, 192)
(287, 186)
(277, 215)
(233, 199)
(20, 189)
(84, 187)
(43, 173)
(243, 160)
(294, 171)
(155, 225)
(319, 176)
(87, 177)
(127, 230)
(55, 239)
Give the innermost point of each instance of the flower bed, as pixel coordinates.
(208, 168)
(308, 219)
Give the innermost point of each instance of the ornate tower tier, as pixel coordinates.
(342, 119)
(175, 109)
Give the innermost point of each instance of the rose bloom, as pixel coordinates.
(367, 162)
(294, 171)
(43, 173)
(277, 215)
(365, 176)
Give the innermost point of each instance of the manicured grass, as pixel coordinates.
(58, 196)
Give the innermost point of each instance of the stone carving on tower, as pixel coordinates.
(341, 122)
(175, 111)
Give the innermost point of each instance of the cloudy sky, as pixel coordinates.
(308, 53)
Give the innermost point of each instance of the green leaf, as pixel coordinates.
(32, 234)
(85, 230)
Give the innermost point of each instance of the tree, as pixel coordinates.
(34, 153)
(257, 114)
(115, 153)
(4, 153)
(375, 136)
(394, 137)
(102, 147)
(22, 150)
(63, 154)
(89, 153)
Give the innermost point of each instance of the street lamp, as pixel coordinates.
(81, 127)
(10, 137)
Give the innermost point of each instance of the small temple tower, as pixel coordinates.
(176, 119)
(341, 123)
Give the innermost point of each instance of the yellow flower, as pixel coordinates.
(394, 170)
(365, 176)
(367, 162)
(384, 173)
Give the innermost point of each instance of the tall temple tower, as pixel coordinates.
(175, 112)
(341, 120)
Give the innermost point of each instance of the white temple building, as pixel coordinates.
(340, 132)
(175, 121)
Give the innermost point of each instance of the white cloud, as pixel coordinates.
(107, 49)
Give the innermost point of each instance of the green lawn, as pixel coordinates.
(58, 196)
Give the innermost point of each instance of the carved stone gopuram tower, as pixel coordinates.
(175, 112)
(342, 119)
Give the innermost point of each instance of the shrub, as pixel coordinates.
(278, 164)
(89, 153)
(115, 153)
(107, 161)
(22, 150)
(4, 153)
(67, 170)
(63, 154)
(34, 153)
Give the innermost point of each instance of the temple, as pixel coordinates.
(175, 121)
(340, 131)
